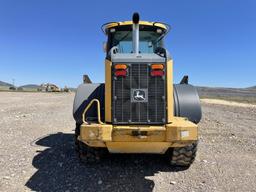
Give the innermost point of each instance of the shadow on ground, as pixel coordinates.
(59, 169)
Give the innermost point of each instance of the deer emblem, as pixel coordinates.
(138, 96)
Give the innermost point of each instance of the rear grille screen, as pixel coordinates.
(138, 98)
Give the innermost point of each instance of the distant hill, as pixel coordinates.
(254, 87)
(30, 86)
(2, 83)
(247, 95)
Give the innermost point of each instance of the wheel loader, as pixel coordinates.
(138, 109)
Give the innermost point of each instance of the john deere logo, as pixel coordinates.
(139, 95)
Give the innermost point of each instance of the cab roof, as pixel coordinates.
(106, 26)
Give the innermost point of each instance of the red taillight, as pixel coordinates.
(120, 70)
(157, 73)
(157, 70)
(121, 73)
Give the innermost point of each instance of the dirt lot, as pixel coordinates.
(37, 152)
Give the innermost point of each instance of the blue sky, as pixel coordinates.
(214, 42)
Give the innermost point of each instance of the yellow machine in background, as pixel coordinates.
(138, 109)
(49, 87)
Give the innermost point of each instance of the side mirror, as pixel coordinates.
(104, 47)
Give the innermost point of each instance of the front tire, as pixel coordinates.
(183, 156)
(86, 153)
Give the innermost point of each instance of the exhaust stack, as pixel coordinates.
(135, 33)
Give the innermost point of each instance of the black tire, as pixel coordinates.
(77, 133)
(86, 153)
(183, 156)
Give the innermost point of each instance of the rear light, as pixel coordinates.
(157, 70)
(120, 70)
(121, 73)
(157, 73)
(120, 66)
(157, 66)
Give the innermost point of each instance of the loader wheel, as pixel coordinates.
(77, 133)
(86, 153)
(89, 154)
(184, 156)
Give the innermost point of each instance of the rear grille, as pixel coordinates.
(138, 84)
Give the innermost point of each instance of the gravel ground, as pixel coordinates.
(37, 152)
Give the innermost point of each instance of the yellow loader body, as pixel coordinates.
(139, 139)
(138, 109)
